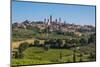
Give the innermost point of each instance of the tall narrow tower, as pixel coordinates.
(56, 21)
(59, 20)
(60, 23)
(48, 22)
(50, 18)
(44, 21)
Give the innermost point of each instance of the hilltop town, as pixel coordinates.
(57, 25)
(52, 41)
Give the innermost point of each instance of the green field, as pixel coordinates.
(37, 55)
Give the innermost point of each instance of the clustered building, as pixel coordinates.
(54, 25)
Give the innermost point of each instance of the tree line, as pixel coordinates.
(56, 43)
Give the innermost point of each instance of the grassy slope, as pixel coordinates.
(34, 55)
(22, 35)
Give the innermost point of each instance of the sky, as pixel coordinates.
(32, 11)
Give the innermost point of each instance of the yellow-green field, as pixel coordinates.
(17, 43)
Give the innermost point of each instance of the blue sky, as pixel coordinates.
(38, 11)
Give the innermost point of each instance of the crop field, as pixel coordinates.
(16, 44)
